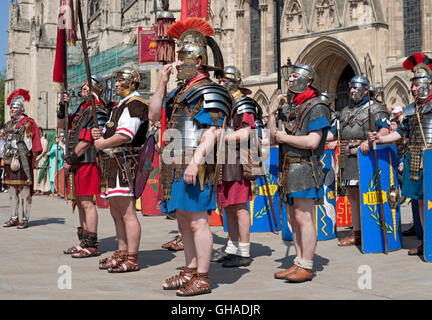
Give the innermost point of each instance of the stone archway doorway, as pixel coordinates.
(342, 90)
(335, 64)
(332, 75)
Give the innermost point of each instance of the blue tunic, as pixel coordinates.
(321, 123)
(186, 196)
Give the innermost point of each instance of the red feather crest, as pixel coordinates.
(418, 58)
(178, 28)
(18, 93)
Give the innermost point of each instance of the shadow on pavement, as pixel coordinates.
(43, 222)
(108, 244)
(150, 258)
(256, 249)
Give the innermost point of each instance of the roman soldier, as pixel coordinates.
(354, 128)
(21, 147)
(121, 141)
(416, 128)
(235, 191)
(197, 111)
(301, 137)
(80, 165)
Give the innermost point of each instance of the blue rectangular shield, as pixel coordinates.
(259, 208)
(427, 193)
(371, 229)
(325, 215)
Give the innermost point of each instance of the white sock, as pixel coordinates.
(232, 247)
(305, 264)
(243, 250)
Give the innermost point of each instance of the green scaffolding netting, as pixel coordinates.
(104, 63)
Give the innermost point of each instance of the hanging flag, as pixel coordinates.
(147, 46)
(195, 8)
(66, 32)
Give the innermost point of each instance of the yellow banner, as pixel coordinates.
(371, 198)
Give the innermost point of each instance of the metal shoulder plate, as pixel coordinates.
(409, 110)
(378, 108)
(246, 104)
(102, 116)
(214, 97)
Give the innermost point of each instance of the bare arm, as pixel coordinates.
(156, 100)
(239, 135)
(307, 142)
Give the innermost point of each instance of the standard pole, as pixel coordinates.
(278, 44)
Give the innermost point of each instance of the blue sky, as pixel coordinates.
(4, 23)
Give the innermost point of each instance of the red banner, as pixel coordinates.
(151, 198)
(147, 46)
(194, 8)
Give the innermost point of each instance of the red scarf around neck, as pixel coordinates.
(197, 78)
(302, 97)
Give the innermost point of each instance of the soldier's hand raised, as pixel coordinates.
(166, 73)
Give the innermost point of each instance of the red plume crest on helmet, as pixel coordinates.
(20, 93)
(418, 60)
(199, 24)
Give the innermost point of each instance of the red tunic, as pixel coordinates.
(236, 192)
(87, 176)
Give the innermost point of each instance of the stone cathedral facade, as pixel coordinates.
(338, 38)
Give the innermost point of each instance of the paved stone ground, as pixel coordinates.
(31, 259)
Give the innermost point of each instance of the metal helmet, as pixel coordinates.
(131, 79)
(300, 84)
(360, 83)
(424, 79)
(16, 99)
(98, 84)
(194, 35)
(234, 78)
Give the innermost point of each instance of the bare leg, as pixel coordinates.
(295, 230)
(127, 224)
(304, 219)
(90, 216)
(14, 201)
(119, 224)
(26, 201)
(188, 240)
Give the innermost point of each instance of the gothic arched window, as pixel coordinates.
(412, 26)
(255, 37)
(94, 7)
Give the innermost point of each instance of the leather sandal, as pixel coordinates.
(112, 261)
(168, 244)
(128, 264)
(79, 247)
(87, 252)
(178, 281)
(177, 245)
(11, 223)
(72, 250)
(23, 225)
(199, 284)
